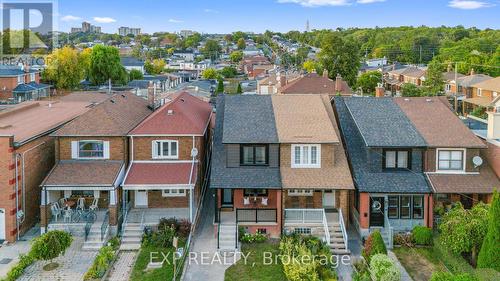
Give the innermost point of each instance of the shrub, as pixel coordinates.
(361, 272)
(51, 244)
(253, 238)
(383, 268)
(455, 263)
(18, 270)
(241, 232)
(101, 263)
(489, 256)
(446, 276)
(170, 222)
(374, 245)
(422, 235)
(184, 228)
(114, 243)
(164, 237)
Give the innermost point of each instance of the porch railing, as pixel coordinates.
(389, 231)
(304, 215)
(104, 225)
(342, 227)
(256, 215)
(325, 229)
(88, 226)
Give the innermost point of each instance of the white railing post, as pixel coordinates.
(325, 227)
(342, 227)
(389, 231)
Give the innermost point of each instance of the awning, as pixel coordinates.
(481, 101)
(160, 175)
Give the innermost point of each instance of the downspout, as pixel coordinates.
(17, 155)
(192, 190)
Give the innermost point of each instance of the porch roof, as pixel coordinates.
(480, 101)
(161, 174)
(484, 182)
(78, 173)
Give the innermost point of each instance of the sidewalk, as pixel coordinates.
(9, 254)
(355, 246)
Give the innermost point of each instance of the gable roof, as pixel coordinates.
(313, 83)
(249, 119)
(381, 123)
(183, 115)
(489, 84)
(303, 119)
(115, 116)
(468, 81)
(437, 124)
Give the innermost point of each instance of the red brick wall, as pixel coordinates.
(492, 155)
(7, 191)
(364, 210)
(156, 200)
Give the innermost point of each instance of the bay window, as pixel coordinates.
(393, 208)
(306, 156)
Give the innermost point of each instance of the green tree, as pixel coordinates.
(463, 231)
(220, 87)
(410, 90)
(105, 65)
(489, 256)
(239, 90)
(211, 49)
(368, 81)
(434, 81)
(50, 245)
(229, 72)
(236, 36)
(64, 68)
(210, 73)
(374, 245)
(236, 56)
(84, 60)
(135, 74)
(340, 56)
(311, 66)
(155, 66)
(241, 44)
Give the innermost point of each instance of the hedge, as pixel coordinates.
(422, 235)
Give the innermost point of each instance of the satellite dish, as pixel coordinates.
(477, 160)
(194, 152)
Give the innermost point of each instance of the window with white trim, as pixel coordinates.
(397, 159)
(173, 192)
(448, 87)
(406, 207)
(306, 156)
(32, 77)
(479, 92)
(165, 149)
(300, 192)
(91, 149)
(20, 79)
(450, 160)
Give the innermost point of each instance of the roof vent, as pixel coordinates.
(170, 112)
(182, 100)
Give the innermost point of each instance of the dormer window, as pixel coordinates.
(165, 149)
(254, 155)
(91, 149)
(450, 160)
(396, 159)
(306, 156)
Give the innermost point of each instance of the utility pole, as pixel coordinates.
(420, 51)
(456, 88)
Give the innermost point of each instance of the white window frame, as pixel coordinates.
(155, 151)
(173, 193)
(32, 77)
(451, 171)
(309, 164)
(300, 192)
(105, 149)
(479, 92)
(20, 79)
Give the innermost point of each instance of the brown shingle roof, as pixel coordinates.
(484, 182)
(313, 83)
(116, 116)
(490, 84)
(437, 124)
(161, 173)
(83, 173)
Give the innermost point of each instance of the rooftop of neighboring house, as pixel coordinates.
(31, 119)
(249, 119)
(254, 119)
(392, 129)
(450, 75)
(410, 71)
(131, 61)
(10, 71)
(184, 114)
(450, 131)
(116, 116)
(313, 83)
(492, 84)
(469, 80)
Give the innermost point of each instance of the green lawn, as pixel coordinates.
(139, 272)
(420, 263)
(254, 269)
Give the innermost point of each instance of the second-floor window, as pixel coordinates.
(20, 79)
(450, 160)
(165, 149)
(32, 77)
(254, 155)
(90, 149)
(306, 156)
(396, 159)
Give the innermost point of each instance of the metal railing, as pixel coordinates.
(256, 215)
(236, 234)
(389, 231)
(304, 215)
(88, 226)
(326, 230)
(104, 225)
(218, 235)
(342, 227)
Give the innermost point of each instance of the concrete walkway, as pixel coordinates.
(355, 246)
(9, 253)
(123, 266)
(404, 275)
(205, 243)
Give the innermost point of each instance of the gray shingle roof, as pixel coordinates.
(365, 179)
(382, 123)
(249, 119)
(239, 177)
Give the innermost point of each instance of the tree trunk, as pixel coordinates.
(473, 256)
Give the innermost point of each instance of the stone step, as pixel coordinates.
(128, 247)
(336, 239)
(131, 240)
(341, 252)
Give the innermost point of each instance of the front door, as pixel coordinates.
(328, 199)
(2, 225)
(227, 198)
(377, 211)
(141, 198)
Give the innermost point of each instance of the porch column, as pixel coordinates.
(44, 210)
(191, 205)
(113, 208)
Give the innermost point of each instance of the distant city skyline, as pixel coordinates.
(223, 16)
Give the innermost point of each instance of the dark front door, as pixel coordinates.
(377, 211)
(227, 198)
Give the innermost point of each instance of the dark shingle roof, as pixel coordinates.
(11, 71)
(382, 123)
(365, 179)
(238, 177)
(131, 61)
(249, 119)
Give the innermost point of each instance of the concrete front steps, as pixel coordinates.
(94, 242)
(337, 243)
(132, 236)
(227, 237)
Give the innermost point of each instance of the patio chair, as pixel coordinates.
(264, 201)
(62, 201)
(55, 211)
(93, 207)
(246, 201)
(80, 204)
(68, 213)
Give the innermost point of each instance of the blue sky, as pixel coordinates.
(222, 16)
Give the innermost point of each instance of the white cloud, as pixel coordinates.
(175, 21)
(211, 11)
(70, 18)
(468, 4)
(317, 3)
(104, 19)
(369, 1)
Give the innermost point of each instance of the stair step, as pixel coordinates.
(125, 247)
(341, 252)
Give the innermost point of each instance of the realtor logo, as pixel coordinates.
(27, 26)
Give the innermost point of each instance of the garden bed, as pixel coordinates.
(419, 262)
(140, 271)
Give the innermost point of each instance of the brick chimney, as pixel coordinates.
(379, 91)
(338, 83)
(325, 73)
(472, 72)
(493, 125)
(151, 94)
